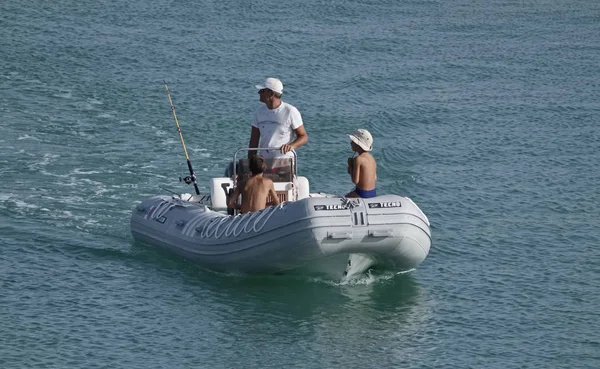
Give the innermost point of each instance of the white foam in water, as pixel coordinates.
(23, 205)
(48, 158)
(105, 115)
(85, 106)
(170, 141)
(86, 181)
(39, 165)
(363, 279)
(369, 277)
(74, 200)
(138, 167)
(95, 102)
(46, 173)
(64, 95)
(89, 222)
(100, 191)
(28, 137)
(82, 171)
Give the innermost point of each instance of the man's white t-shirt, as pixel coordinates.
(276, 127)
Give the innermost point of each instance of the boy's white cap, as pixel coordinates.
(272, 84)
(362, 138)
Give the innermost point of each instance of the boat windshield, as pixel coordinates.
(278, 170)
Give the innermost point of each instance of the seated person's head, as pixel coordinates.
(257, 164)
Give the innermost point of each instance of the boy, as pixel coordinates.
(362, 168)
(254, 190)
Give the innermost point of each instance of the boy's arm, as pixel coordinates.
(273, 195)
(232, 203)
(356, 170)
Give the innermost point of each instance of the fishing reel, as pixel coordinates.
(186, 179)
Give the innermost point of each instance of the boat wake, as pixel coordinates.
(370, 277)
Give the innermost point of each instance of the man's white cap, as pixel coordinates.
(272, 84)
(362, 138)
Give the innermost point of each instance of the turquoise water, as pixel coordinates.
(484, 113)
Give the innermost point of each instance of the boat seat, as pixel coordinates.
(281, 195)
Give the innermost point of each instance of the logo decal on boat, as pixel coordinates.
(377, 205)
(332, 207)
(346, 204)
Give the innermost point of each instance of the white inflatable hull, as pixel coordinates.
(317, 234)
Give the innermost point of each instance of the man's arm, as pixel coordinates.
(301, 139)
(254, 139)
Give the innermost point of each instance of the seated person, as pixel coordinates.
(362, 168)
(254, 190)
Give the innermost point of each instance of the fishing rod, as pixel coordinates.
(192, 178)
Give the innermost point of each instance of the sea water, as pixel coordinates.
(484, 113)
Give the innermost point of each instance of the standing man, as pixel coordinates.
(276, 123)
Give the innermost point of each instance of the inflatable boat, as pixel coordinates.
(307, 232)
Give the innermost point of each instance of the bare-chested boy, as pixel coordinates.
(254, 190)
(362, 168)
